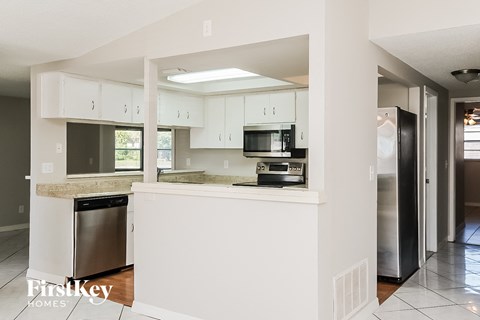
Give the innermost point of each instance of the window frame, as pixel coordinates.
(127, 128)
(172, 132)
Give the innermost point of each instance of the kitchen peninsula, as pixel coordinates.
(200, 249)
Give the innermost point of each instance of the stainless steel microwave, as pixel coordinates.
(271, 141)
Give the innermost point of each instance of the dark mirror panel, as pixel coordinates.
(90, 148)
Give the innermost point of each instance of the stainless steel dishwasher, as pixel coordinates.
(100, 234)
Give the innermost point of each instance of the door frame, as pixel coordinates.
(452, 228)
(430, 161)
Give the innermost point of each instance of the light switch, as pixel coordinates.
(59, 148)
(47, 167)
(372, 172)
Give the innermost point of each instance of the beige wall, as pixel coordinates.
(393, 94)
(472, 182)
(15, 160)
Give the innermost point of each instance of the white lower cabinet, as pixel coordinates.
(175, 109)
(301, 124)
(224, 120)
(130, 231)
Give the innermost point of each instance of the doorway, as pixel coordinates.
(464, 220)
(429, 183)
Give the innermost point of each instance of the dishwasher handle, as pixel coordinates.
(93, 203)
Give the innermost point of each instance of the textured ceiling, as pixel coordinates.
(34, 32)
(435, 54)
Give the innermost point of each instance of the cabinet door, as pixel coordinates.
(282, 107)
(168, 108)
(130, 237)
(215, 121)
(257, 108)
(116, 103)
(234, 121)
(81, 98)
(191, 112)
(301, 124)
(138, 105)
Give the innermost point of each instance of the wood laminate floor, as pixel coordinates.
(122, 286)
(385, 290)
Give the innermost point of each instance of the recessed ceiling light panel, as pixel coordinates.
(211, 75)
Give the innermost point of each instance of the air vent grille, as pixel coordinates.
(350, 291)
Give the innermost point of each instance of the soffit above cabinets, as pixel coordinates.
(282, 64)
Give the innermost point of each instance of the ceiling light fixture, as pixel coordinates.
(211, 75)
(466, 75)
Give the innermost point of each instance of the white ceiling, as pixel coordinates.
(40, 31)
(437, 53)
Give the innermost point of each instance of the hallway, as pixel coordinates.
(471, 233)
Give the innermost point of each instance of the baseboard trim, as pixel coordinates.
(15, 227)
(367, 311)
(159, 313)
(472, 204)
(50, 278)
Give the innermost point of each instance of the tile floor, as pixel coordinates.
(447, 287)
(13, 291)
(471, 233)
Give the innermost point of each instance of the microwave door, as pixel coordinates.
(263, 143)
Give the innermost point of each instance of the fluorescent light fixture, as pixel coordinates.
(211, 75)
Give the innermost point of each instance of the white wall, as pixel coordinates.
(391, 18)
(15, 160)
(211, 160)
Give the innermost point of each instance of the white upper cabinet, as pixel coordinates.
(270, 108)
(138, 103)
(224, 120)
(116, 102)
(175, 109)
(234, 121)
(301, 125)
(74, 97)
(69, 97)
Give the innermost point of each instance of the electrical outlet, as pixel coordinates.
(90, 161)
(225, 164)
(21, 208)
(188, 162)
(207, 28)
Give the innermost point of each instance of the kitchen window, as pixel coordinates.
(128, 149)
(164, 149)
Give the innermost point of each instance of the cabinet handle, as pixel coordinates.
(219, 137)
(264, 111)
(133, 228)
(273, 110)
(230, 137)
(301, 136)
(138, 109)
(188, 114)
(125, 109)
(178, 114)
(93, 105)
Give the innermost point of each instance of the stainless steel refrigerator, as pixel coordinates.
(397, 217)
